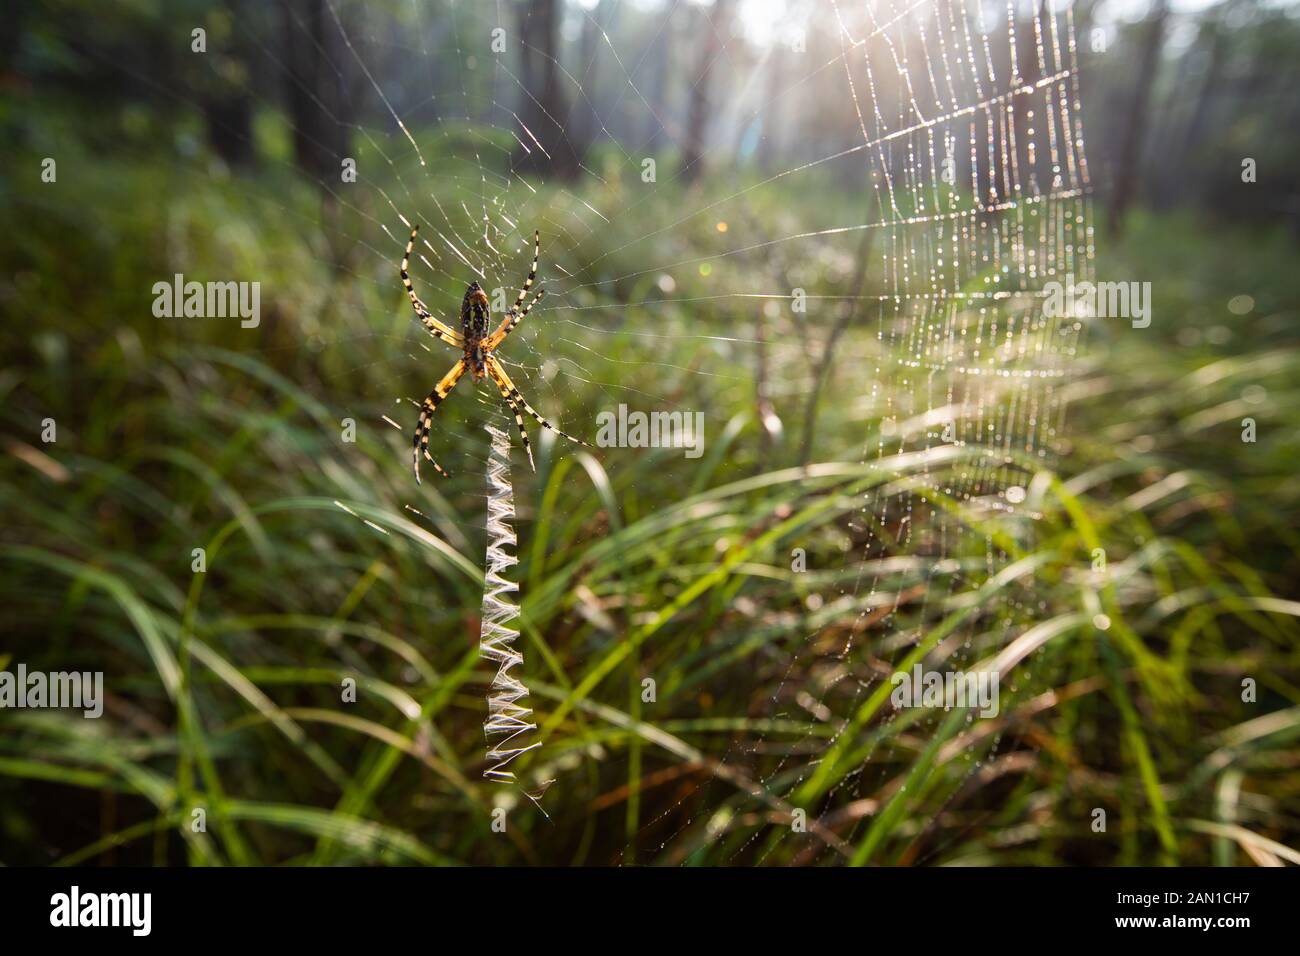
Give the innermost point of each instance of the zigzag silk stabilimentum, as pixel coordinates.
(510, 724)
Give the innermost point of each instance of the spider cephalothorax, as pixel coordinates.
(479, 348)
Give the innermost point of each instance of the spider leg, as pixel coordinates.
(532, 273)
(514, 316)
(519, 422)
(510, 321)
(512, 395)
(437, 329)
(430, 405)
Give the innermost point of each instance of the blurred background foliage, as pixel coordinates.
(224, 687)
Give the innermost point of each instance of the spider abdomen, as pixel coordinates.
(475, 316)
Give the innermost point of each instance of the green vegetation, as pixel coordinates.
(224, 686)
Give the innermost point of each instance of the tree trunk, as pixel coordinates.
(223, 93)
(773, 113)
(698, 113)
(1182, 128)
(1130, 155)
(543, 108)
(229, 121)
(318, 108)
(584, 117)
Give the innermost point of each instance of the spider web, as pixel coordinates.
(964, 132)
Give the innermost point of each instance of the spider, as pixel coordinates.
(480, 354)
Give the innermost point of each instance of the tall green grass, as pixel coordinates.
(225, 686)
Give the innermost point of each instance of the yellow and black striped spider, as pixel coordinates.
(479, 358)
